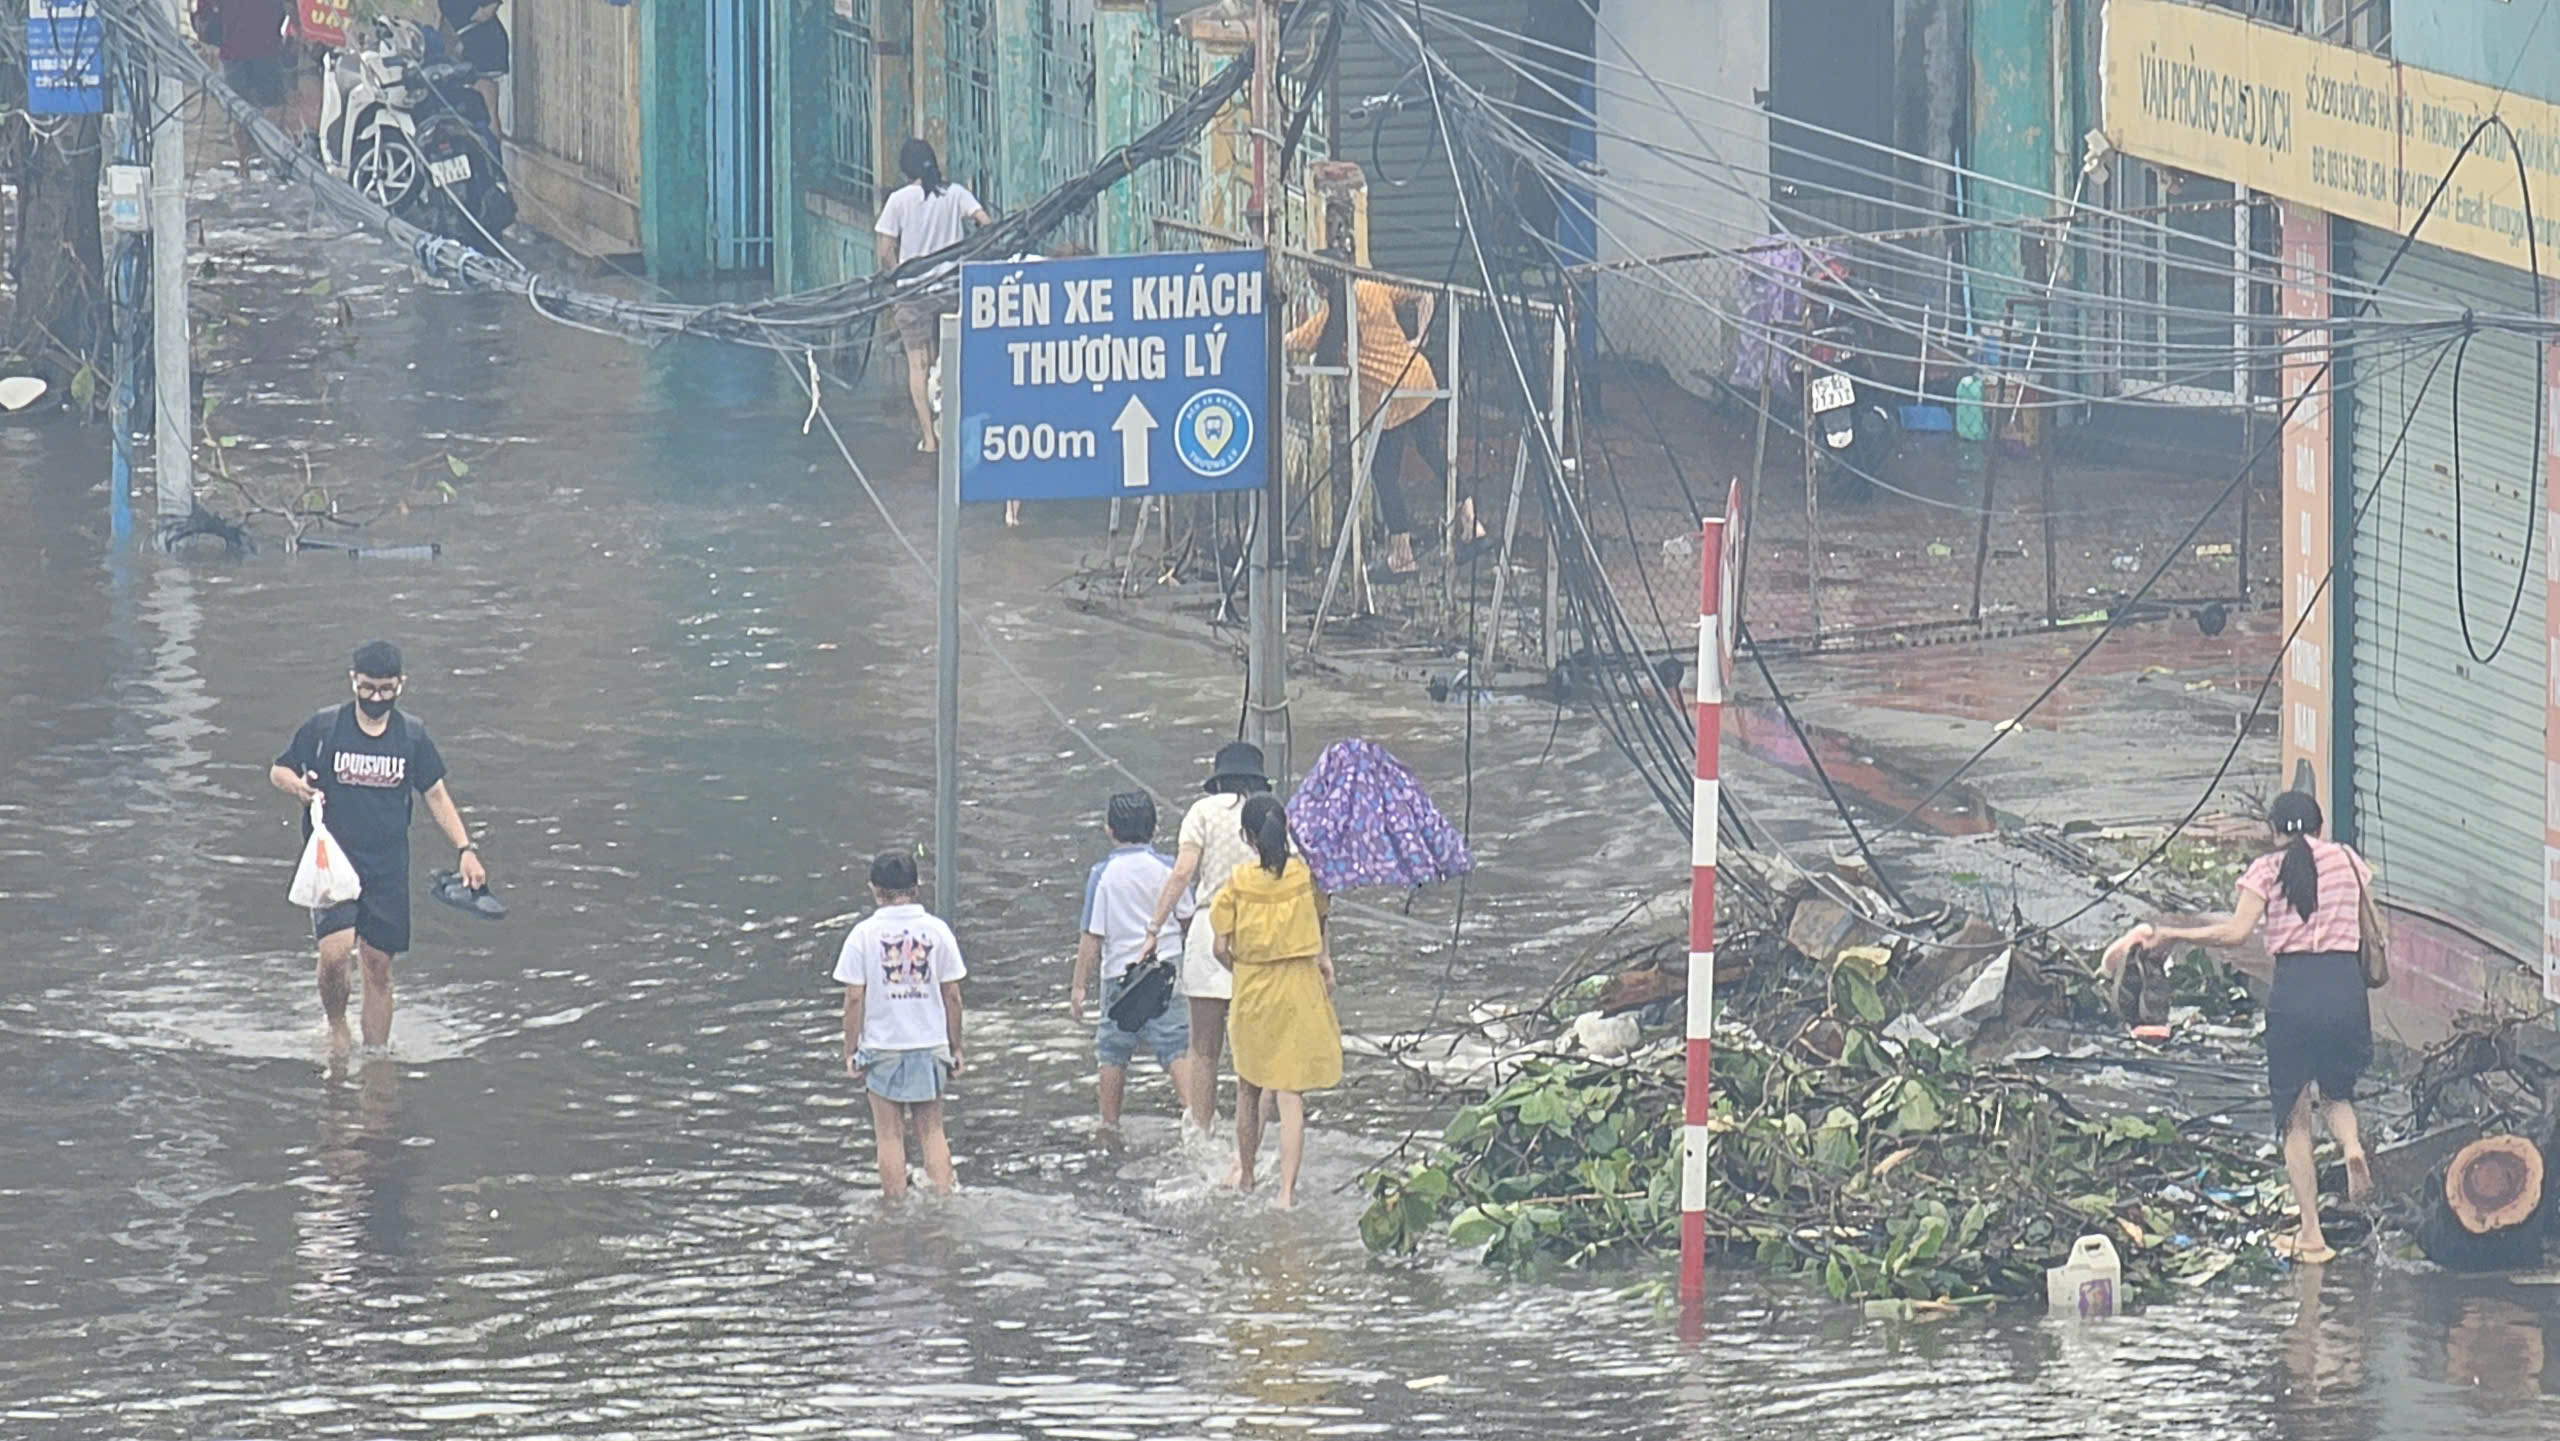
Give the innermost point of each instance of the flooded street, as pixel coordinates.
(615, 1182)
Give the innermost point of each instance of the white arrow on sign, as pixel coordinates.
(1134, 423)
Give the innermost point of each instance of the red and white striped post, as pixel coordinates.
(1714, 658)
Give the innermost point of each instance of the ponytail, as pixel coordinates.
(2299, 877)
(1266, 824)
(2296, 815)
(921, 165)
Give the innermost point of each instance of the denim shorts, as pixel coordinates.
(1168, 1035)
(905, 1076)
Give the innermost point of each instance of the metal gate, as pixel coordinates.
(1169, 70)
(2447, 784)
(848, 157)
(973, 150)
(741, 153)
(1066, 111)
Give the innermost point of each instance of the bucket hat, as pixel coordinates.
(1237, 760)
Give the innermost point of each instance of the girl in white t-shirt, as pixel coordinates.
(901, 971)
(925, 215)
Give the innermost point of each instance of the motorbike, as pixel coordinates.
(403, 124)
(1851, 430)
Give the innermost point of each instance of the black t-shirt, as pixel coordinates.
(370, 781)
(483, 47)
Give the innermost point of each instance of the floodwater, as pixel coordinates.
(613, 1181)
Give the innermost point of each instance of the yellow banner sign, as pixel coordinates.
(2349, 133)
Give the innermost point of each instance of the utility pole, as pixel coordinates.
(173, 391)
(1267, 648)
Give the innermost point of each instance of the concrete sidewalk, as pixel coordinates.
(2132, 738)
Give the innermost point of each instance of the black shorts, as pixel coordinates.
(259, 80)
(379, 916)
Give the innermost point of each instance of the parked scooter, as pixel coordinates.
(1852, 432)
(402, 124)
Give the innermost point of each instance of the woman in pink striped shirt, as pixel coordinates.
(2309, 898)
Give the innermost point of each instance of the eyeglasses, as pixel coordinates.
(385, 690)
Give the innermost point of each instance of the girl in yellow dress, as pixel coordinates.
(1269, 923)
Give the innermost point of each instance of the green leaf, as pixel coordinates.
(1382, 1228)
(1927, 1239)
(1430, 1183)
(1976, 1216)
(1474, 1226)
(456, 464)
(445, 490)
(210, 402)
(1835, 1280)
(1835, 1146)
(1465, 1127)
(320, 286)
(1940, 549)
(2092, 1204)
(84, 385)
(229, 441)
(1861, 994)
(1919, 1109)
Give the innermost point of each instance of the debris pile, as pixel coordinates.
(1866, 1125)
(2487, 1205)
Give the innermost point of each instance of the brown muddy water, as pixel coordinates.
(613, 1183)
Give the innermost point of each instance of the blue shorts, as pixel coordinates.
(905, 1076)
(1168, 1035)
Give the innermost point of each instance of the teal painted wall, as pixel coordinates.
(1122, 38)
(675, 140)
(2012, 110)
(2509, 44)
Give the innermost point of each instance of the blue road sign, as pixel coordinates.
(1116, 375)
(66, 58)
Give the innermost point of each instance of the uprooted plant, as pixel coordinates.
(1887, 1168)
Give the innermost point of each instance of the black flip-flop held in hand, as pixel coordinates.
(1148, 991)
(447, 887)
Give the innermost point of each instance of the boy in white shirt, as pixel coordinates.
(901, 970)
(1119, 897)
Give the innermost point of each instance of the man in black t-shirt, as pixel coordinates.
(369, 758)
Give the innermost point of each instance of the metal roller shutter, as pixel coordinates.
(1413, 199)
(2447, 785)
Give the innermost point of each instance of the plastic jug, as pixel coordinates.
(1969, 424)
(2085, 1283)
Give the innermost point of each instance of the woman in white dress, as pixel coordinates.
(1213, 845)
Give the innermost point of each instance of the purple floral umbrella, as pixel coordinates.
(1361, 819)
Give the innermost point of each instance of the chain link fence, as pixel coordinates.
(1375, 434)
(2051, 512)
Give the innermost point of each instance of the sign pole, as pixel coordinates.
(172, 408)
(1108, 378)
(1267, 624)
(946, 646)
(1697, 1101)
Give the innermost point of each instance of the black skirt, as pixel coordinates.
(2319, 1028)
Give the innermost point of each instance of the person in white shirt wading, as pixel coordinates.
(925, 215)
(901, 970)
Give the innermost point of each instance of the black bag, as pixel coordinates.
(1148, 992)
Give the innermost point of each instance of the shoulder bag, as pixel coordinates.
(2373, 943)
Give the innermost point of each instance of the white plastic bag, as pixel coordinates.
(325, 878)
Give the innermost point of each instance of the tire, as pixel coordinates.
(386, 169)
